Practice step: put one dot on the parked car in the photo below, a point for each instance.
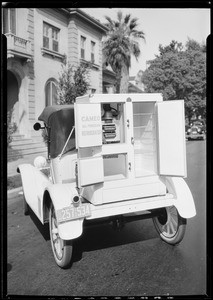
(110, 161)
(196, 130)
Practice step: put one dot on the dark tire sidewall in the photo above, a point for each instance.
(65, 261)
(177, 238)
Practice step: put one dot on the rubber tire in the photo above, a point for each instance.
(164, 218)
(66, 247)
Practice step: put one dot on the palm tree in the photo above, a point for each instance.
(121, 42)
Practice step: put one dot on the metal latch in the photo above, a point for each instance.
(130, 166)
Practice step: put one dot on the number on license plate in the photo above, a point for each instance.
(72, 213)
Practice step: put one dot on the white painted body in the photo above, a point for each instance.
(141, 171)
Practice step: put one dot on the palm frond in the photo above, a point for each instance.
(109, 19)
(127, 18)
(138, 34)
(122, 41)
(133, 23)
(119, 16)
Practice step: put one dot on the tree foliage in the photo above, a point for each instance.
(73, 82)
(121, 42)
(180, 74)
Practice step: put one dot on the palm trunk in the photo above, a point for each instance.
(124, 83)
(118, 82)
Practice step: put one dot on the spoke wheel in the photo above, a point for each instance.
(170, 225)
(62, 250)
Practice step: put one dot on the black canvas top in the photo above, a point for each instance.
(59, 119)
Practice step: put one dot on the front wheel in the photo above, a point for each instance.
(62, 250)
(170, 225)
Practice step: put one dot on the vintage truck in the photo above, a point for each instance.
(112, 158)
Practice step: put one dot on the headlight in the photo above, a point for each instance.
(40, 162)
(189, 130)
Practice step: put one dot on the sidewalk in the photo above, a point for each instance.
(27, 159)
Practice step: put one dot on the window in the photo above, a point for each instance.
(83, 43)
(9, 20)
(92, 52)
(50, 37)
(51, 95)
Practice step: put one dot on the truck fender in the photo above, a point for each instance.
(183, 201)
(34, 183)
(61, 196)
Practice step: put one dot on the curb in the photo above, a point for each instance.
(12, 174)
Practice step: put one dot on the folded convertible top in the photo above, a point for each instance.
(59, 120)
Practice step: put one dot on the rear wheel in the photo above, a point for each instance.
(170, 225)
(62, 250)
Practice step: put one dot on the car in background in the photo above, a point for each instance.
(196, 130)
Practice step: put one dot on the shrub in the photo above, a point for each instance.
(11, 127)
(73, 82)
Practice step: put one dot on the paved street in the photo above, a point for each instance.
(132, 262)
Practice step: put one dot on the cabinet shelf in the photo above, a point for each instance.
(150, 129)
(114, 148)
(142, 151)
(143, 114)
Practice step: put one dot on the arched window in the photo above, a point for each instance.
(51, 96)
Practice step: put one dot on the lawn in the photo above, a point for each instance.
(14, 182)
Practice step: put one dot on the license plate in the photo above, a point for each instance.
(72, 213)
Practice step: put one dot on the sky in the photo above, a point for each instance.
(160, 26)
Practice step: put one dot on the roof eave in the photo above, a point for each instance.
(78, 12)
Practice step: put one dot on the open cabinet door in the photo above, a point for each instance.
(171, 138)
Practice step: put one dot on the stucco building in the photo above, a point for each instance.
(39, 41)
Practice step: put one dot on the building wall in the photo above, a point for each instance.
(22, 22)
(31, 70)
(46, 66)
(32, 75)
(78, 28)
(73, 43)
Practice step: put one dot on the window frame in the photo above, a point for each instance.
(49, 102)
(82, 46)
(93, 51)
(51, 40)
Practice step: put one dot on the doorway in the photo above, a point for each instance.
(13, 97)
